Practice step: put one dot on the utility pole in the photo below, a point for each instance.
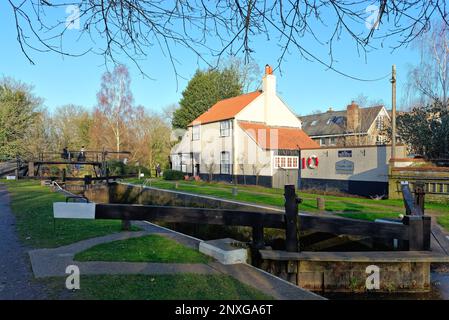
(299, 168)
(393, 113)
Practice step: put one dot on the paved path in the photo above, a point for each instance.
(53, 262)
(245, 273)
(16, 278)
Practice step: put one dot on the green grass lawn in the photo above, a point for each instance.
(32, 205)
(157, 287)
(346, 206)
(151, 248)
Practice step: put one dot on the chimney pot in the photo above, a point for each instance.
(268, 69)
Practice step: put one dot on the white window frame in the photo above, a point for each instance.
(322, 141)
(225, 131)
(278, 160)
(380, 140)
(225, 163)
(196, 135)
(380, 122)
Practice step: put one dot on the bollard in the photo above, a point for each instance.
(320, 203)
(234, 191)
(126, 225)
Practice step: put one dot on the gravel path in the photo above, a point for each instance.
(15, 270)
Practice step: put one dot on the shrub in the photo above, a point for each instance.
(116, 168)
(173, 175)
(54, 171)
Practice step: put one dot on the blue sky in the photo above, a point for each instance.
(305, 86)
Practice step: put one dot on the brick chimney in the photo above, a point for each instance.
(269, 89)
(353, 117)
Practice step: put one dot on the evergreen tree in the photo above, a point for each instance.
(203, 91)
(426, 130)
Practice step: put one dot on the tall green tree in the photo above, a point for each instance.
(203, 91)
(426, 130)
(18, 112)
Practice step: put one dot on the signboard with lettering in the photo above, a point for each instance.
(344, 167)
(345, 153)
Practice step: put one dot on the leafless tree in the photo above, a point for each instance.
(257, 169)
(131, 28)
(364, 101)
(429, 80)
(241, 164)
(115, 106)
(208, 161)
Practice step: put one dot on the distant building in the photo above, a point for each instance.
(354, 126)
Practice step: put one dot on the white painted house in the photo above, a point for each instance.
(254, 138)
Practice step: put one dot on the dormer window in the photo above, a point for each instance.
(225, 128)
(196, 132)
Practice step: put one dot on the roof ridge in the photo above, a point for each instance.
(226, 108)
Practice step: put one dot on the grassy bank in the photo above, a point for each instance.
(152, 248)
(342, 205)
(156, 287)
(270, 196)
(32, 205)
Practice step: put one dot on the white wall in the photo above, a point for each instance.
(278, 114)
(248, 153)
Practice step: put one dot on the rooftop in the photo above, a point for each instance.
(334, 122)
(226, 109)
(287, 138)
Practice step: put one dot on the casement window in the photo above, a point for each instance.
(196, 132)
(225, 128)
(225, 162)
(322, 141)
(380, 140)
(380, 122)
(286, 162)
(332, 141)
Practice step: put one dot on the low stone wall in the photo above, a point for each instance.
(325, 276)
(351, 277)
(128, 193)
(435, 179)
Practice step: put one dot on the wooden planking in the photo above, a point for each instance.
(291, 218)
(363, 256)
(189, 215)
(439, 240)
(352, 227)
(96, 163)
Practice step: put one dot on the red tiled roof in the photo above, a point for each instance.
(226, 109)
(287, 138)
